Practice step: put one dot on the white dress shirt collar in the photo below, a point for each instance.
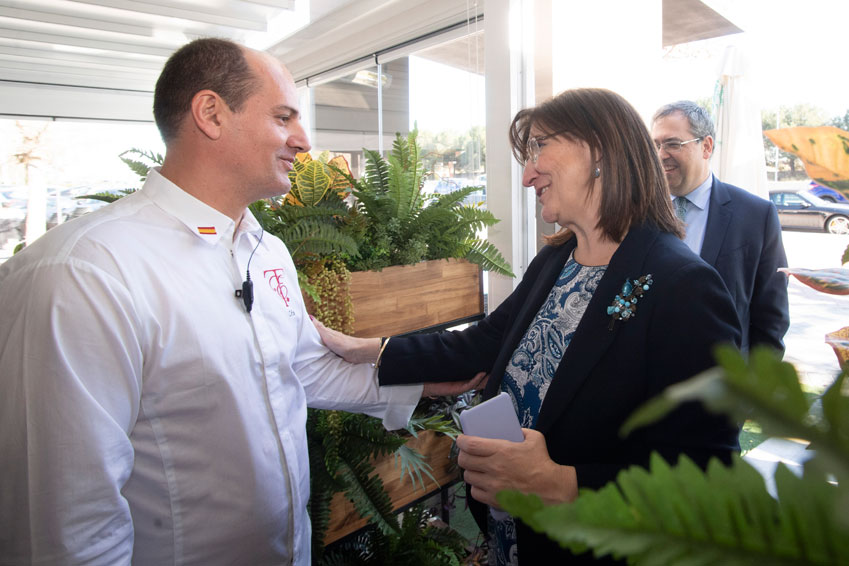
(207, 223)
(697, 214)
(700, 196)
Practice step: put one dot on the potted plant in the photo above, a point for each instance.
(391, 223)
(414, 247)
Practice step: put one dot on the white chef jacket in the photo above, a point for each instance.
(145, 416)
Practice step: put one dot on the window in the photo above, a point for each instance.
(438, 89)
(60, 161)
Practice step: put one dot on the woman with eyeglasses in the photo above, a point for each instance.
(612, 311)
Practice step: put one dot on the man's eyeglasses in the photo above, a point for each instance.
(533, 147)
(673, 146)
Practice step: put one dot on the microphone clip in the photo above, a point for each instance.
(246, 293)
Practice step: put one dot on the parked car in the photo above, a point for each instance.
(800, 209)
(448, 185)
(827, 193)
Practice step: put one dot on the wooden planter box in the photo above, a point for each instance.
(398, 300)
(405, 298)
(344, 518)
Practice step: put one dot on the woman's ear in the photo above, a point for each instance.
(208, 113)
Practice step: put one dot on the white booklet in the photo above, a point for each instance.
(494, 418)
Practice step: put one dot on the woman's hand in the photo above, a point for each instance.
(349, 348)
(365, 350)
(494, 465)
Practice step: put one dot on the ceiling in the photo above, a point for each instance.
(99, 59)
(692, 20)
(118, 44)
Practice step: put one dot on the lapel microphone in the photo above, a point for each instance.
(246, 293)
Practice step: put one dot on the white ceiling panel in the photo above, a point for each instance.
(113, 45)
(121, 44)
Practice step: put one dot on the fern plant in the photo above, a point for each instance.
(143, 162)
(140, 166)
(397, 224)
(418, 541)
(342, 447)
(683, 515)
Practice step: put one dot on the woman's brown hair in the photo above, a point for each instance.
(633, 185)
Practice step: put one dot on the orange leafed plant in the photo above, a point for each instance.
(312, 178)
(834, 281)
(823, 149)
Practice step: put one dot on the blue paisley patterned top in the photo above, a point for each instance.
(532, 367)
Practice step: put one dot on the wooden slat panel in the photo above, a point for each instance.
(405, 298)
(344, 518)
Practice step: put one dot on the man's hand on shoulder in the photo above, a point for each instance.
(455, 387)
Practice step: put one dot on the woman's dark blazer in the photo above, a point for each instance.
(607, 372)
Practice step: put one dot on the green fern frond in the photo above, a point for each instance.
(377, 207)
(406, 171)
(377, 172)
(414, 464)
(319, 512)
(489, 258)
(327, 210)
(454, 198)
(322, 484)
(767, 390)
(671, 515)
(423, 544)
(331, 440)
(434, 216)
(365, 436)
(476, 218)
(365, 490)
(311, 237)
(403, 190)
(437, 423)
(141, 168)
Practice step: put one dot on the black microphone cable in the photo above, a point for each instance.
(246, 293)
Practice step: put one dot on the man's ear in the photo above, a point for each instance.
(707, 147)
(209, 111)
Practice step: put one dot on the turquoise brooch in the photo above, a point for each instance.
(624, 305)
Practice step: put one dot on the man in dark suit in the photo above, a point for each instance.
(731, 229)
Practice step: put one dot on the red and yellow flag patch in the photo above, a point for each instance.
(207, 230)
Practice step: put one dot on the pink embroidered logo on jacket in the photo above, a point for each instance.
(275, 281)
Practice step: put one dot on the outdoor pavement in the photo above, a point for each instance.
(812, 316)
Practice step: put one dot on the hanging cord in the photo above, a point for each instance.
(246, 293)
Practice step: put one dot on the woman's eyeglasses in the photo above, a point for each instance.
(533, 147)
(673, 146)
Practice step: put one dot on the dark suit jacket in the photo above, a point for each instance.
(743, 243)
(605, 374)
